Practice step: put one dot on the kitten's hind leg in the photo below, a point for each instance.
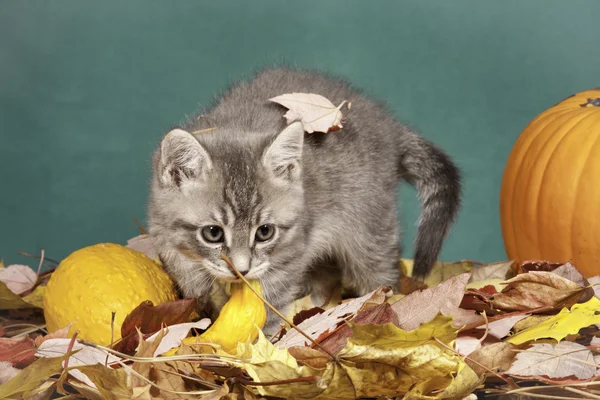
(365, 271)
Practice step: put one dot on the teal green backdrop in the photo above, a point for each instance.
(88, 87)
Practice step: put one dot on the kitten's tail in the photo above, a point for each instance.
(438, 184)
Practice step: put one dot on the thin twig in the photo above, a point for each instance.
(140, 227)
(203, 130)
(243, 278)
(70, 349)
(24, 254)
(37, 275)
(282, 382)
(583, 392)
(112, 334)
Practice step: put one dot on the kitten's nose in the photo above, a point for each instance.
(241, 262)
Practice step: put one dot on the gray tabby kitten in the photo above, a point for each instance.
(300, 212)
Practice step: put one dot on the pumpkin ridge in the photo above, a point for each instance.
(539, 199)
(580, 172)
(536, 147)
(523, 142)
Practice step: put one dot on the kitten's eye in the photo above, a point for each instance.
(213, 234)
(264, 233)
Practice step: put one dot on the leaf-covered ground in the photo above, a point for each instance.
(492, 331)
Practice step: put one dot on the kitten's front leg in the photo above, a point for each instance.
(281, 295)
(191, 279)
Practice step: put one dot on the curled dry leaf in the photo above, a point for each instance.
(379, 314)
(174, 334)
(85, 355)
(149, 319)
(565, 359)
(502, 326)
(423, 306)
(494, 357)
(465, 345)
(315, 112)
(18, 278)
(537, 289)
(327, 321)
(62, 333)
(491, 271)
(7, 371)
(595, 282)
(144, 244)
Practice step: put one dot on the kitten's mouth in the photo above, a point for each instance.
(229, 280)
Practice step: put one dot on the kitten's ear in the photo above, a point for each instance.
(182, 158)
(283, 156)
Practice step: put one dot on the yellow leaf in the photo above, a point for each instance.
(11, 301)
(31, 377)
(565, 323)
(36, 298)
(378, 360)
(463, 385)
(440, 272)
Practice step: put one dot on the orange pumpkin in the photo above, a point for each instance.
(550, 196)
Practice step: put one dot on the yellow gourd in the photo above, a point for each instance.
(95, 281)
(550, 195)
(239, 320)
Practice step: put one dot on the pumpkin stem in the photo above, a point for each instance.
(591, 102)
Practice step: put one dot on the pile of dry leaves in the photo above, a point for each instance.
(499, 330)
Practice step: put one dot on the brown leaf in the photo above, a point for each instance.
(145, 349)
(168, 380)
(18, 351)
(111, 383)
(535, 290)
(537, 265)
(407, 285)
(495, 357)
(306, 314)
(329, 320)
(60, 333)
(491, 271)
(380, 314)
(149, 319)
(218, 394)
(563, 360)
(307, 356)
(478, 300)
(423, 306)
